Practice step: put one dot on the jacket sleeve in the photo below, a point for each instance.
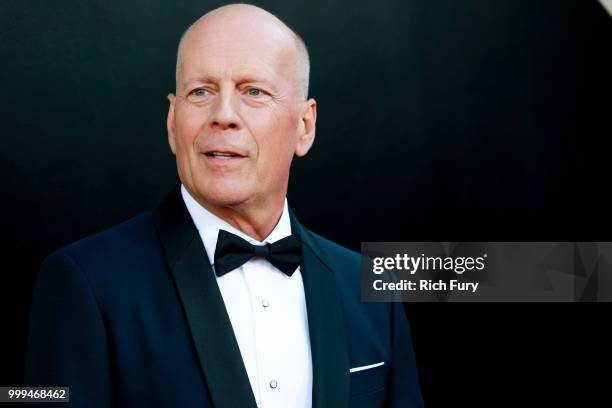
(405, 388)
(67, 339)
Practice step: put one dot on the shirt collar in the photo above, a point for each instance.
(208, 225)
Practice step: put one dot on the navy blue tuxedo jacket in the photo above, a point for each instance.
(133, 317)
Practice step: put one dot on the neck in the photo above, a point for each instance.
(256, 221)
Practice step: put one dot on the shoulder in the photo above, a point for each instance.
(118, 244)
(343, 262)
(338, 256)
(133, 232)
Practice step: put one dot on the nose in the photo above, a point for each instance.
(225, 115)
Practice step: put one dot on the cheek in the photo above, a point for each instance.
(276, 136)
(188, 125)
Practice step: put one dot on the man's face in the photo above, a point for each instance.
(237, 119)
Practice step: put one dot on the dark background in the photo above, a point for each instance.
(438, 120)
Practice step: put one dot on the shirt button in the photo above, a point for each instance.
(265, 303)
(273, 384)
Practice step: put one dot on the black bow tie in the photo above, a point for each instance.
(232, 252)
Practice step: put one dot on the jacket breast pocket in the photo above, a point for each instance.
(368, 387)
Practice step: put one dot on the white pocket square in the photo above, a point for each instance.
(355, 369)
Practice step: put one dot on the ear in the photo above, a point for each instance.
(307, 126)
(170, 123)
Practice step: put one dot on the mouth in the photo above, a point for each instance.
(224, 158)
(223, 155)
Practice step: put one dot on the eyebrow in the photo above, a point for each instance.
(203, 79)
(209, 79)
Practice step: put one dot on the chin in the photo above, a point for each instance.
(224, 194)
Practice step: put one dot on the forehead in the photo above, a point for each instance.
(237, 49)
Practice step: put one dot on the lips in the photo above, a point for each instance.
(223, 154)
(224, 159)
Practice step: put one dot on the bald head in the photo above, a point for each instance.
(254, 22)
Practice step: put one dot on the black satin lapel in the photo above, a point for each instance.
(328, 341)
(211, 329)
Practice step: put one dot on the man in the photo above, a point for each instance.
(220, 297)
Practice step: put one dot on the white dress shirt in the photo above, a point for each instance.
(267, 310)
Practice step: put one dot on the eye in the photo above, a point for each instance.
(198, 92)
(254, 92)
